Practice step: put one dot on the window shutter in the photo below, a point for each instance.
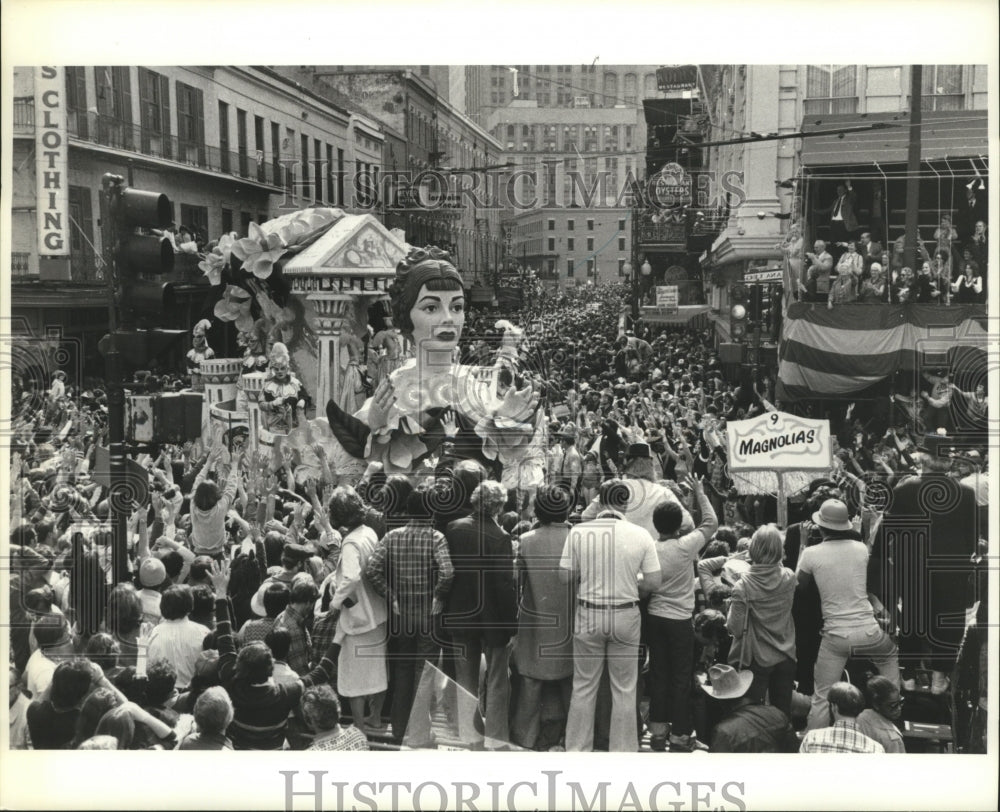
(123, 87)
(199, 112)
(102, 81)
(146, 99)
(165, 115)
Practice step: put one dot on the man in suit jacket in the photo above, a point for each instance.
(843, 221)
(481, 615)
(972, 210)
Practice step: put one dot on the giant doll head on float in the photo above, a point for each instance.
(431, 398)
(428, 304)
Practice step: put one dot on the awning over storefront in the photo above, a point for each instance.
(691, 315)
(944, 134)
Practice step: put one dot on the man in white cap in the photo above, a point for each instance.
(839, 566)
(153, 577)
(746, 726)
(645, 493)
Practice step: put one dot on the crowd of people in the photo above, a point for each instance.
(641, 590)
(855, 265)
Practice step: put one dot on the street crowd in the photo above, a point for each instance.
(642, 596)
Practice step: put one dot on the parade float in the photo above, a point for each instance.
(298, 290)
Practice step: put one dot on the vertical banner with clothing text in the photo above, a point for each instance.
(51, 157)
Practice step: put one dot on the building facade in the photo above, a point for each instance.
(568, 247)
(491, 87)
(227, 145)
(439, 154)
(791, 180)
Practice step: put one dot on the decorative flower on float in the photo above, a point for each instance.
(235, 306)
(259, 251)
(509, 430)
(216, 260)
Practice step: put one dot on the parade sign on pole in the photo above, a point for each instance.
(667, 298)
(782, 443)
(777, 441)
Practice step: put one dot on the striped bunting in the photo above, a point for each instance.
(838, 352)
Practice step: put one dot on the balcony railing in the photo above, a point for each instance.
(20, 263)
(108, 131)
(24, 115)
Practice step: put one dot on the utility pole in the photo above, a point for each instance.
(913, 169)
(110, 194)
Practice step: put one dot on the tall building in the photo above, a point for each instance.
(574, 136)
(228, 146)
(568, 86)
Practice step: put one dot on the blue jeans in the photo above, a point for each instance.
(776, 682)
(870, 642)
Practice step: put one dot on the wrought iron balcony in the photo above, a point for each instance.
(108, 131)
(24, 116)
(20, 263)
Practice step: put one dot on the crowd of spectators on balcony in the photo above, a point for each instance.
(850, 266)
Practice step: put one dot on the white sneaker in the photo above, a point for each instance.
(939, 682)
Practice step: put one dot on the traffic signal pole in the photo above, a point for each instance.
(119, 502)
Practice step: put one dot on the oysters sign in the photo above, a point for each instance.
(777, 441)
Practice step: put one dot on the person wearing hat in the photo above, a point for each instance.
(153, 580)
(838, 565)
(571, 465)
(746, 725)
(294, 558)
(645, 493)
(930, 519)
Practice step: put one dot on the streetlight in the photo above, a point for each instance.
(646, 270)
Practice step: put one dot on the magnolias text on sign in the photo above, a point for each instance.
(778, 441)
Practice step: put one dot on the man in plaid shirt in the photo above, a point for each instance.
(412, 568)
(846, 702)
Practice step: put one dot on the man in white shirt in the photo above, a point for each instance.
(176, 638)
(608, 555)
(839, 566)
(644, 492)
(54, 644)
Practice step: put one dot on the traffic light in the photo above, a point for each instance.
(141, 258)
(756, 305)
(738, 311)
